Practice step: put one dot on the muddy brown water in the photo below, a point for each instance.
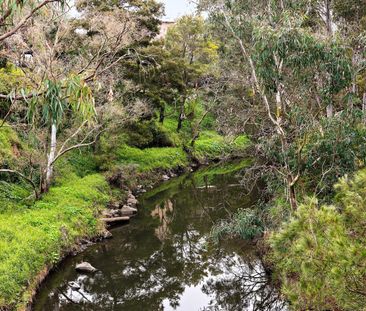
(165, 260)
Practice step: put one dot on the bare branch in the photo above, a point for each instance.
(25, 20)
(30, 181)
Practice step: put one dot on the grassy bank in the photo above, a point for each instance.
(35, 237)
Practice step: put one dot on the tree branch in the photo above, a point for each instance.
(30, 181)
(25, 19)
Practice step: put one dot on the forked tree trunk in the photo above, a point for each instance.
(51, 158)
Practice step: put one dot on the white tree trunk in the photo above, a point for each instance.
(51, 156)
(364, 107)
(329, 17)
(330, 111)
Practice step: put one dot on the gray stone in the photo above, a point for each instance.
(85, 267)
(165, 177)
(132, 201)
(115, 213)
(107, 235)
(74, 285)
(128, 210)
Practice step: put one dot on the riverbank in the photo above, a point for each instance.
(35, 236)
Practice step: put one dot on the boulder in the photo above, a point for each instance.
(128, 211)
(115, 213)
(85, 267)
(132, 201)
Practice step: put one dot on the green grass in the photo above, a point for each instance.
(13, 197)
(152, 158)
(35, 238)
(8, 139)
(211, 146)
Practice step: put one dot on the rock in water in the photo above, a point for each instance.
(85, 267)
(74, 285)
(128, 211)
(107, 234)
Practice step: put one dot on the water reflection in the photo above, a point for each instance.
(163, 260)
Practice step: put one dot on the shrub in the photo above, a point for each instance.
(246, 224)
(320, 253)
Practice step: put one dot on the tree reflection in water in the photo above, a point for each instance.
(163, 260)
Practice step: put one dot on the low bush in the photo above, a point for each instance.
(320, 255)
(246, 224)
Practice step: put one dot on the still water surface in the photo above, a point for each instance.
(164, 260)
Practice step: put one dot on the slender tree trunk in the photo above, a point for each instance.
(51, 158)
(329, 25)
(330, 111)
(181, 115)
(364, 107)
(293, 200)
(328, 17)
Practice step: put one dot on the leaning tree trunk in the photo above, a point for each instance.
(51, 158)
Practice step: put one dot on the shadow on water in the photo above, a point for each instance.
(163, 260)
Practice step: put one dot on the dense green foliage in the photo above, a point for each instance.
(9, 142)
(320, 252)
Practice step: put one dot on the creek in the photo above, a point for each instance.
(165, 260)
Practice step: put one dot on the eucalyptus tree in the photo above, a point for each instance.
(61, 98)
(289, 69)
